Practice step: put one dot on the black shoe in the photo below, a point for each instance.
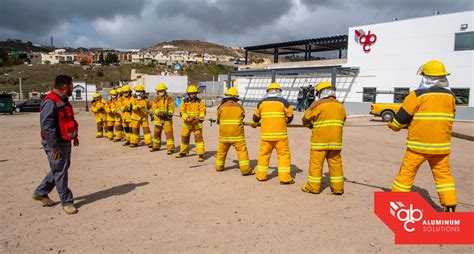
(450, 209)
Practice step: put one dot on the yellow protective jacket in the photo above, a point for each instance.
(140, 108)
(191, 111)
(98, 107)
(275, 113)
(429, 115)
(111, 109)
(230, 117)
(326, 117)
(163, 108)
(126, 104)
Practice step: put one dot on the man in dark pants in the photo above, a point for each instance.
(58, 129)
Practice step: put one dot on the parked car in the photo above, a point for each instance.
(385, 110)
(32, 105)
(6, 103)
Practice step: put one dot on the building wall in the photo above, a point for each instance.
(175, 84)
(403, 46)
(392, 62)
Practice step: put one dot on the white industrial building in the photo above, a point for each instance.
(382, 71)
(175, 84)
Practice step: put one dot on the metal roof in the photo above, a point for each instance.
(300, 46)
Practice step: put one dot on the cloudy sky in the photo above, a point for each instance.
(136, 24)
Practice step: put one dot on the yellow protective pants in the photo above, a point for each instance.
(316, 164)
(167, 127)
(118, 129)
(282, 148)
(242, 155)
(135, 135)
(440, 168)
(198, 139)
(126, 122)
(110, 128)
(100, 123)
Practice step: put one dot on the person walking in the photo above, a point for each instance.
(58, 129)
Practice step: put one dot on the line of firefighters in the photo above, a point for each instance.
(427, 112)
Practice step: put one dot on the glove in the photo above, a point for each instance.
(253, 124)
(391, 126)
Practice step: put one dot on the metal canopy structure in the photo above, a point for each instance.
(252, 84)
(334, 70)
(338, 42)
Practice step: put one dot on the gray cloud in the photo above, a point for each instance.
(39, 16)
(136, 24)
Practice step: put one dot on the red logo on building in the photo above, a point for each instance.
(365, 39)
(414, 221)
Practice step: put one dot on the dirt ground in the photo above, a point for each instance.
(131, 200)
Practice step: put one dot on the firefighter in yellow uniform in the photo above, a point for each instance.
(326, 117)
(193, 111)
(117, 105)
(140, 108)
(275, 113)
(230, 117)
(428, 112)
(98, 107)
(163, 110)
(110, 112)
(126, 103)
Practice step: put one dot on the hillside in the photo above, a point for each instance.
(12, 45)
(196, 46)
(40, 77)
(199, 47)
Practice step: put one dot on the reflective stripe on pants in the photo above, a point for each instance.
(284, 159)
(242, 155)
(316, 164)
(440, 168)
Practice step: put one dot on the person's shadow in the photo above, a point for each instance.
(424, 193)
(103, 194)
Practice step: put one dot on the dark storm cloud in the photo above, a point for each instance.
(39, 16)
(139, 23)
(226, 16)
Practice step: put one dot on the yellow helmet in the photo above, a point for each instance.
(125, 89)
(95, 95)
(139, 88)
(161, 87)
(119, 90)
(232, 92)
(433, 68)
(322, 85)
(273, 86)
(192, 89)
(113, 92)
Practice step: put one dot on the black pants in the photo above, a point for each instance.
(58, 175)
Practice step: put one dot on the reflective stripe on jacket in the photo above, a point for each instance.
(327, 117)
(429, 115)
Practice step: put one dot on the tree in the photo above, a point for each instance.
(101, 58)
(84, 61)
(111, 58)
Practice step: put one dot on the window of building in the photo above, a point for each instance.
(462, 96)
(464, 41)
(400, 93)
(369, 94)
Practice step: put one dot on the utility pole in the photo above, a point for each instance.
(21, 91)
(87, 106)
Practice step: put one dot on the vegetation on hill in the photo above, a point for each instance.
(41, 77)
